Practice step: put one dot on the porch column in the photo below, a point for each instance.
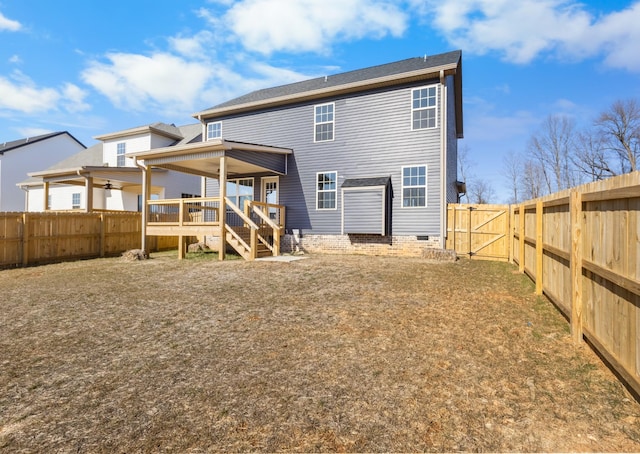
(45, 202)
(146, 185)
(88, 189)
(222, 179)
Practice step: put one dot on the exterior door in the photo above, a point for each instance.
(270, 195)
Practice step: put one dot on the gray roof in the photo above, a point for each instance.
(191, 133)
(366, 182)
(90, 157)
(7, 146)
(359, 75)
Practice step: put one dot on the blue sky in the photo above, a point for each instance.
(97, 67)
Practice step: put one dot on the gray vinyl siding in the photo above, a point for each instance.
(373, 137)
(364, 211)
(452, 144)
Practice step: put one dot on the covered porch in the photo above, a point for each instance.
(252, 228)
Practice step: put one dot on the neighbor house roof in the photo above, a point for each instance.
(403, 71)
(163, 129)
(8, 146)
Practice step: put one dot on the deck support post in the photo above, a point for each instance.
(88, 189)
(146, 186)
(45, 202)
(222, 218)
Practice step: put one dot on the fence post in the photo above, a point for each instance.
(576, 265)
(25, 239)
(521, 239)
(539, 247)
(469, 232)
(511, 231)
(102, 235)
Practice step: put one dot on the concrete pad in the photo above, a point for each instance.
(283, 258)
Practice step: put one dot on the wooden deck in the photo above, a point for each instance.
(254, 231)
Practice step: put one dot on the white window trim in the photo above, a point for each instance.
(237, 196)
(424, 108)
(426, 191)
(79, 194)
(333, 122)
(121, 155)
(326, 190)
(207, 130)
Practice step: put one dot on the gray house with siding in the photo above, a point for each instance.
(362, 161)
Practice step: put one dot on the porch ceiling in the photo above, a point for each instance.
(124, 178)
(203, 158)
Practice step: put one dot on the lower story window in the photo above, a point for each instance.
(75, 200)
(326, 189)
(414, 186)
(240, 190)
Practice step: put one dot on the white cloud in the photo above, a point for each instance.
(267, 26)
(19, 93)
(198, 46)
(523, 30)
(8, 24)
(15, 59)
(138, 82)
(73, 98)
(33, 132)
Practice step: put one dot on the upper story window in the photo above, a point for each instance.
(214, 130)
(326, 190)
(121, 150)
(423, 107)
(323, 122)
(75, 200)
(414, 186)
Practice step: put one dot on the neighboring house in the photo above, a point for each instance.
(103, 178)
(18, 157)
(360, 161)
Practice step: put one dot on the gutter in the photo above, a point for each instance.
(443, 160)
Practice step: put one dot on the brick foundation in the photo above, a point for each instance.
(401, 246)
(407, 246)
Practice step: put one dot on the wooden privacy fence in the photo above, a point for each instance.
(34, 238)
(479, 231)
(581, 247)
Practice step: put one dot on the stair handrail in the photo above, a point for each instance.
(275, 249)
(246, 219)
(252, 225)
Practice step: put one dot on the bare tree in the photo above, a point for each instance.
(464, 166)
(481, 192)
(513, 167)
(592, 158)
(532, 180)
(619, 128)
(551, 146)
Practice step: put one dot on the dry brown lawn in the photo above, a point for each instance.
(331, 353)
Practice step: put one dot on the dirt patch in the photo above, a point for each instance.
(331, 353)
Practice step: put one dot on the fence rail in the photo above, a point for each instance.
(35, 238)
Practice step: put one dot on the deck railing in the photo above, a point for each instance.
(184, 212)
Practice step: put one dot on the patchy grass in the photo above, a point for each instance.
(332, 353)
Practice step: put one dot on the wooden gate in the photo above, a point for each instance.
(479, 231)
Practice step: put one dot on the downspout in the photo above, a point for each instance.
(145, 206)
(443, 160)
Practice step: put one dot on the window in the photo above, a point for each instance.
(323, 122)
(75, 200)
(423, 107)
(414, 186)
(240, 190)
(326, 189)
(121, 150)
(214, 130)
